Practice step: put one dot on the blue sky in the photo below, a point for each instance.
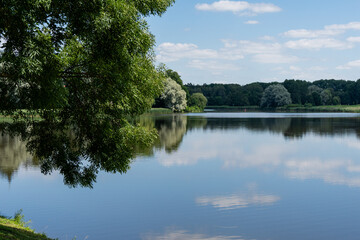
(224, 41)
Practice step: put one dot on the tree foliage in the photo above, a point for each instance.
(174, 96)
(83, 67)
(230, 94)
(326, 97)
(198, 100)
(302, 92)
(177, 78)
(298, 90)
(275, 96)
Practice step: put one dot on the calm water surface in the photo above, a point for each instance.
(209, 176)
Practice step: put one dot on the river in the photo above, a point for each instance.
(208, 176)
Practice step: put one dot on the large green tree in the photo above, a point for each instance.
(275, 95)
(198, 100)
(84, 67)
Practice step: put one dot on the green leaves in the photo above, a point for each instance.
(84, 67)
(198, 100)
(147, 7)
(275, 95)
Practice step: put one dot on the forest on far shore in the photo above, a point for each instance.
(320, 92)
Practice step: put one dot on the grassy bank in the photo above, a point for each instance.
(292, 108)
(159, 111)
(330, 108)
(234, 108)
(168, 111)
(16, 229)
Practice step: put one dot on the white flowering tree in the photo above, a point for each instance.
(173, 96)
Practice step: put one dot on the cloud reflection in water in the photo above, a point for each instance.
(182, 235)
(237, 201)
(326, 150)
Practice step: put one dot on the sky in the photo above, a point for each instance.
(229, 41)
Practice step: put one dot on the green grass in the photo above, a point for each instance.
(17, 229)
(294, 108)
(330, 108)
(159, 111)
(233, 107)
(193, 109)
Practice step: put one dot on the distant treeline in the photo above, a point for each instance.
(321, 92)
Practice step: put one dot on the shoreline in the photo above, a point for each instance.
(17, 229)
(290, 108)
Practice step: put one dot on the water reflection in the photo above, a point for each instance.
(287, 153)
(208, 196)
(79, 155)
(13, 155)
(334, 171)
(235, 201)
(288, 127)
(172, 128)
(212, 138)
(182, 234)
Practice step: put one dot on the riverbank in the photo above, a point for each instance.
(330, 108)
(15, 229)
(159, 111)
(234, 108)
(291, 108)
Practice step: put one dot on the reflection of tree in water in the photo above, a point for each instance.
(196, 123)
(299, 127)
(13, 154)
(171, 130)
(276, 125)
(289, 127)
(59, 148)
(79, 158)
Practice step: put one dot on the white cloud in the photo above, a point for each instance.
(267, 38)
(348, 26)
(353, 39)
(329, 30)
(249, 47)
(317, 68)
(233, 50)
(316, 44)
(260, 52)
(304, 33)
(350, 65)
(252, 22)
(237, 201)
(239, 7)
(169, 52)
(218, 60)
(274, 58)
(308, 73)
(212, 65)
(295, 68)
